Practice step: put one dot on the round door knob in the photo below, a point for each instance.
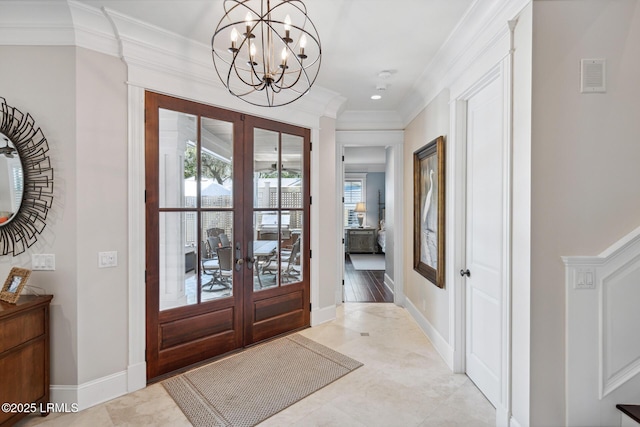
(465, 273)
(240, 261)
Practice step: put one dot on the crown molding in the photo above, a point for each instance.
(157, 59)
(167, 62)
(483, 25)
(92, 29)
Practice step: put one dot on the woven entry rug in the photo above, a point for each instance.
(249, 387)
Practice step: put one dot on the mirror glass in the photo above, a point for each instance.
(11, 180)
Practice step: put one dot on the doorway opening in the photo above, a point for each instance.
(364, 224)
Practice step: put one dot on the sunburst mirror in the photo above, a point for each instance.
(26, 180)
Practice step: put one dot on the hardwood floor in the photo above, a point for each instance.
(364, 285)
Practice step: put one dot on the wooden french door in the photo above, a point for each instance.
(227, 231)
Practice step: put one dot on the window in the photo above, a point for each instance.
(354, 192)
(18, 186)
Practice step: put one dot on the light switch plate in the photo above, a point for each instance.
(585, 278)
(107, 259)
(43, 262)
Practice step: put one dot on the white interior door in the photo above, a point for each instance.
(486, 245)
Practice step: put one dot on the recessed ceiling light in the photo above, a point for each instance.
(376, 97)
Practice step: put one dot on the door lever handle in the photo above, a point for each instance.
(465, 273)
(239, 259)
(249, 257)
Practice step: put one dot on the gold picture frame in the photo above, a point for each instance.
(12, 288)
(429, 211)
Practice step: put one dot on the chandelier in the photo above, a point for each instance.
(265, 52)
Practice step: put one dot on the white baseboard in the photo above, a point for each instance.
(439, 343)
(136, 376)
(63, 394)
(91, 393)
(514, 423)
(503, 418)
(389, 283)
(322, 315)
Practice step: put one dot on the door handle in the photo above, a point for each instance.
(249, 257)
(239, 259)
(465, 273)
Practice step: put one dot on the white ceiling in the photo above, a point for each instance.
(360, 38)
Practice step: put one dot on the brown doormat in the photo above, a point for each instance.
(249, 387)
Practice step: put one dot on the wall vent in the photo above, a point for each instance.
(592, 76)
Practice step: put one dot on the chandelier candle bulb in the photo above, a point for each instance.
(303, 44)
(287, 29)
(234, 40)
(248, 22)
(252, 54)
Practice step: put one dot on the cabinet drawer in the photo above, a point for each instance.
(22, 328)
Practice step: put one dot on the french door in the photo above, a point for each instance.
(227, 227)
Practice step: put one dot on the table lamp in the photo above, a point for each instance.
(360, 210)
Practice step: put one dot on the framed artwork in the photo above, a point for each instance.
(428, 211)
(13, 285)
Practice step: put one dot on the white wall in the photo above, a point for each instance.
(390, 200)
(326, 262)
(375, 194)
(431, 301)
(101, 189)
(83, 117)
(585, 174)
(41, 81)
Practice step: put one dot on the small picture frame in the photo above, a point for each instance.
(12, 288)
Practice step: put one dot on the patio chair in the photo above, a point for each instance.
(224, 241)
(287, 268)
(225, 268)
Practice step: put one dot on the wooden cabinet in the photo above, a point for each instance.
(24, 354)
(361, 240)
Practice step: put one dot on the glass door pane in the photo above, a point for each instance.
(266, 220)
(278, 208)
(216, 276)
(178, 286)
(265, 250)
(178, 134)
(177, 243)
(216, 204)
(291, 192)
(291, 245)
(266, 168)
(216, 164)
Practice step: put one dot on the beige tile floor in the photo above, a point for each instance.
(403, 382)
